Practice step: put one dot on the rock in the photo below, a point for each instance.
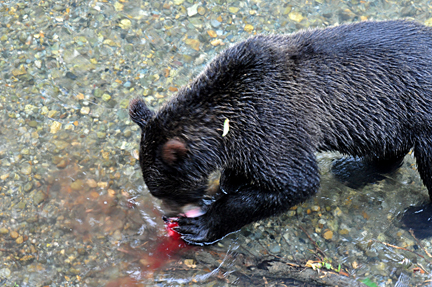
(233, 9)
(117, 235)
(248, 28)
(19, 240)
(328, 234)
(193, 10)
(38, 197)
(32, 124)
(106, 97)
(14, 234)
(55, 127)
(212, 33)
(315, 208)
(190, 263)
(21, 205)
(215, 23)
(291, 213)
(125, 24)
(5, 273)
(77, 184)
(201, 10)
(275, 248)
(26, 169)
(91, 183)
(85, 110)
(61, 145)
(296, 16)
(101, 135)
(62, 164)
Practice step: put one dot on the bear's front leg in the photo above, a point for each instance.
(233, 211)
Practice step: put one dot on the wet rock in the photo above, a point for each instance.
(328, 234)
(215, 23)
(117, 235)
(275, 248)
(77, 184)
(106, 97)
(19, 240)
(14, 234)
(38, 197)
(193, 10)
(26, 169)
(28, 186)
(21, 205)
(125, 24)
(85, 110)
(5, 273)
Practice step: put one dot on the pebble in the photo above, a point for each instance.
(38, 197)
(233, 10)
(101, 135)
(193, 10)
(127, 84)
(55, 127)
(77, 184)
(190, 263)
(125, 24)
(91, 183)
(62, 164)
(315, 208)
(201, 10)
(291, 213)
(106, 97)
(295, 16)
(275, 248)
(19, 240)
(85, 110)
(21, 205)
(337, 212)
(127, 133)
(61, 145)
(248, 28)
(117, 235)
(215, 23)
(14, 234)
(328, 234)
(26, 169)
(212, 33)
(32, 124)
(5, 273)
(4, 230)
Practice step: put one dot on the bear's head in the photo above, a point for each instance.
(174, 163)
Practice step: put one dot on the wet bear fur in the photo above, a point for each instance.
(362, 89)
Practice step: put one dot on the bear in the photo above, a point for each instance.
(261, 110)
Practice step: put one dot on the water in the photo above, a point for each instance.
(74, 210)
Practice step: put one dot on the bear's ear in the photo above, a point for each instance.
(173, 151)
(139, 112)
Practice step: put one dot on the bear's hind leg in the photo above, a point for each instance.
(419, 218)
(357, 172)
(423, 156)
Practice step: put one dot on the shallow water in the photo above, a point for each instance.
(74, 210)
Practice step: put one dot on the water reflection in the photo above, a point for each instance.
(74, 210)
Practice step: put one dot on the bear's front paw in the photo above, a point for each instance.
(196, 230)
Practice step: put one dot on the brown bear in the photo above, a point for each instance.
(261, 109)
